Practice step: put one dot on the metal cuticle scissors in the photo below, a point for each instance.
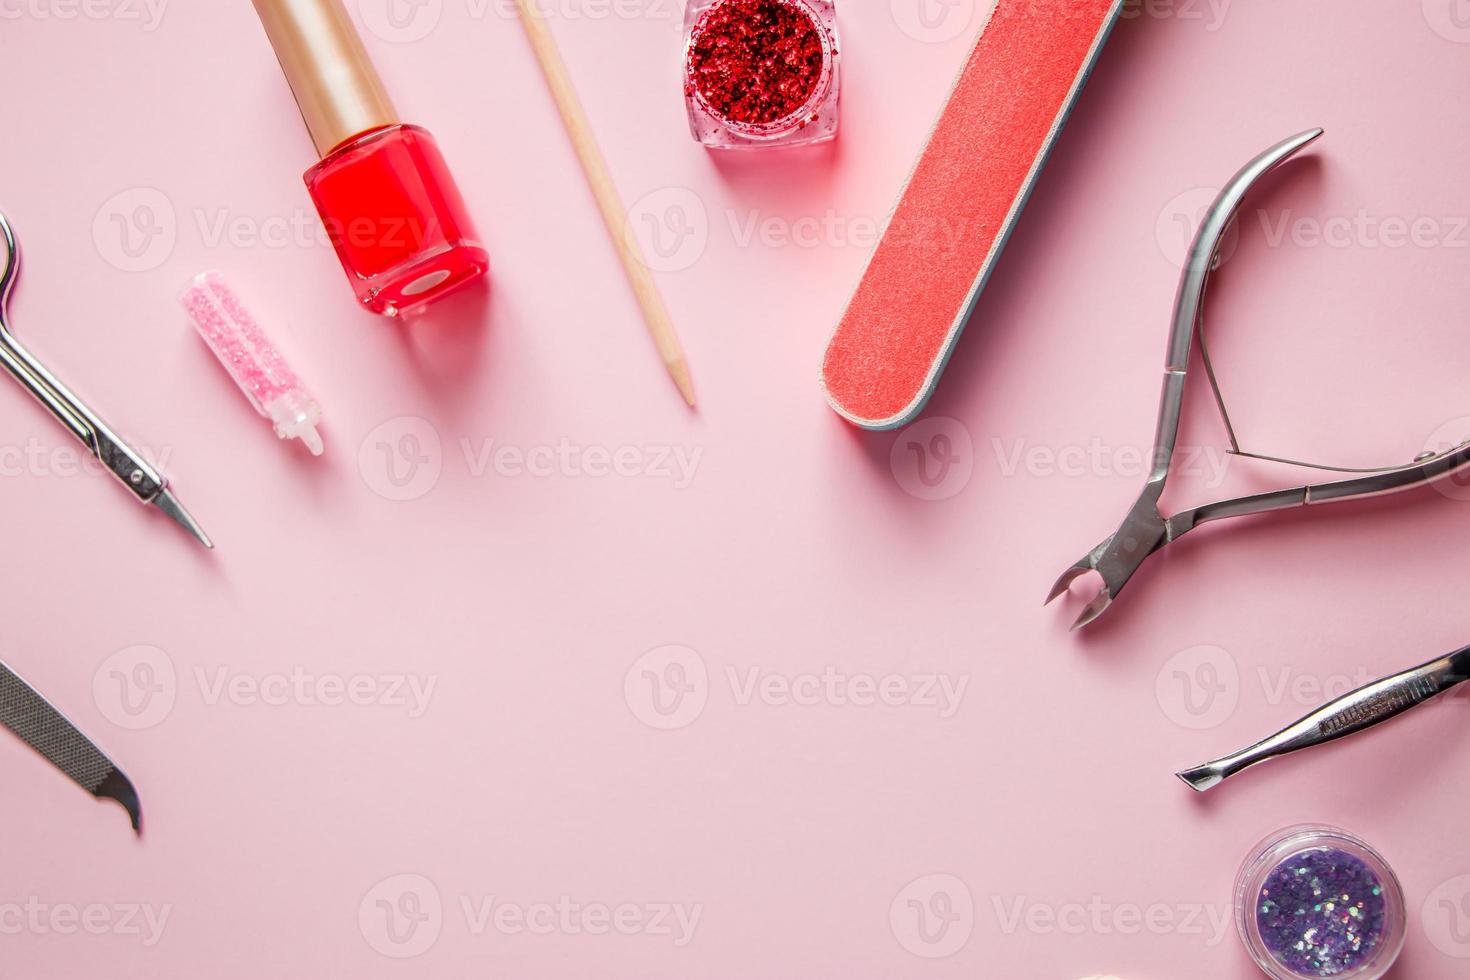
(120, 459)
(1145, 530)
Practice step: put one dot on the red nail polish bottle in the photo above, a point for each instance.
(382, 188)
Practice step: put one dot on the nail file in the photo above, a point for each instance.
(24, 711)
(962, 200)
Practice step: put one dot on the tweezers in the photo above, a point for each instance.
(120, 459)
(1145, 530)
(1357, 711)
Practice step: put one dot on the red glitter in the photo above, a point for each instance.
(755, 62)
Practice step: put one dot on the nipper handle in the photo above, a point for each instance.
(1204, 255)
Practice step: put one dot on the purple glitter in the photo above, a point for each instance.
(1321, 912)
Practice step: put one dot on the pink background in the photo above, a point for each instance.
(539, 606)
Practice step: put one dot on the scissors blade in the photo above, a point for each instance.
(169, 504)
(37, 722)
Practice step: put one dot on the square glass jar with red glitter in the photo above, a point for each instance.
(761, 73)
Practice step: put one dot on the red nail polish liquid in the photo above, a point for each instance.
(382, 188)
(396, 218)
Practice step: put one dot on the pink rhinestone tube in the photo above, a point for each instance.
(252, 360)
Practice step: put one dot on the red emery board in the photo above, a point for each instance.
(961, 202)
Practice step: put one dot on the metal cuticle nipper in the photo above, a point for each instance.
(1145, 530)
(120, 459)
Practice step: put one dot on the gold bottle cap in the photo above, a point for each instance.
(336, 87)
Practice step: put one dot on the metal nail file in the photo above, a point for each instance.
(121, 460)
(24, 711)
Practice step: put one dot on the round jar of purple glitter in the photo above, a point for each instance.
(1315, 901)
